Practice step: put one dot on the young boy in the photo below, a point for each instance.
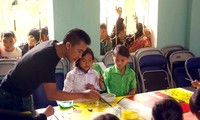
(8, 50)
(120, 79)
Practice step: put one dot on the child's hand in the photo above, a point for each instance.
(195, 83)
(101, 79)
(90, 86)
(91, 94)
(49, 111)
(132, 92)
(118, 10)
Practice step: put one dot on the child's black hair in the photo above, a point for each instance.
(167, 109)
(8, 33)
(35, 33)
(122, 50)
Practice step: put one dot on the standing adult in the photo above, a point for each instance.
(38, 67)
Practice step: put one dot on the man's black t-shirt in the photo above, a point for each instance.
(35, 67)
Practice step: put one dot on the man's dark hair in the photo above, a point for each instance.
(75, 36)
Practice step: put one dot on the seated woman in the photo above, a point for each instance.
(8, 49)
(33, 40)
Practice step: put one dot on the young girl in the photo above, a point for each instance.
(83, 77)
(120, 79)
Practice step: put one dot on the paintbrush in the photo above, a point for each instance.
(106, 102)
(188, 79)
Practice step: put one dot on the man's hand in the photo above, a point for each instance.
(49, 111)
(92, 94)
(196, 83)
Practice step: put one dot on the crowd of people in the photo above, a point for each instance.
(140, 39)
(82, 83)
(8, 49)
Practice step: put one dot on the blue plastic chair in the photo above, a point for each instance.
(154, 73)
(177, 60)
(192, 67)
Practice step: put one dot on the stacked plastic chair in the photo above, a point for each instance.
(5, 66)
(177, 60)
(165, 50)
(152, 69)
(192, 67)
(108, 60)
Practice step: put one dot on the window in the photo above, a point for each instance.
(22, 15)
(146, 10)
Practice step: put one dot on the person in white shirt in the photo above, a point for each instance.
(83, 77)
(8, 49)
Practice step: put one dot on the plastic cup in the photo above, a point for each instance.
(65, 104)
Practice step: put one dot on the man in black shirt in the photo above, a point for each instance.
(38, 67)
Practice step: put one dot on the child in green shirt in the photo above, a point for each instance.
(120, 79)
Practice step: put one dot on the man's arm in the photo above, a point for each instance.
(53, 94)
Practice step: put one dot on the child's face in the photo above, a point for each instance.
(8, 43)
(122, 34)
(86, 62)
(103, 33)
(120, 61)
(31, 41)
(45, 38)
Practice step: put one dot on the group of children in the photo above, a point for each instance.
(8, 39)
(119, 79)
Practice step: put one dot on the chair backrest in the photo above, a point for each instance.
(63, 66)
(146, 51)
(166, 49)
(108, 60)
(140, 53)
(192, 67)
(5, 66)
(153, 73)
(177, 60)
(179, 57)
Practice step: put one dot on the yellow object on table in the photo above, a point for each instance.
(130, 115)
